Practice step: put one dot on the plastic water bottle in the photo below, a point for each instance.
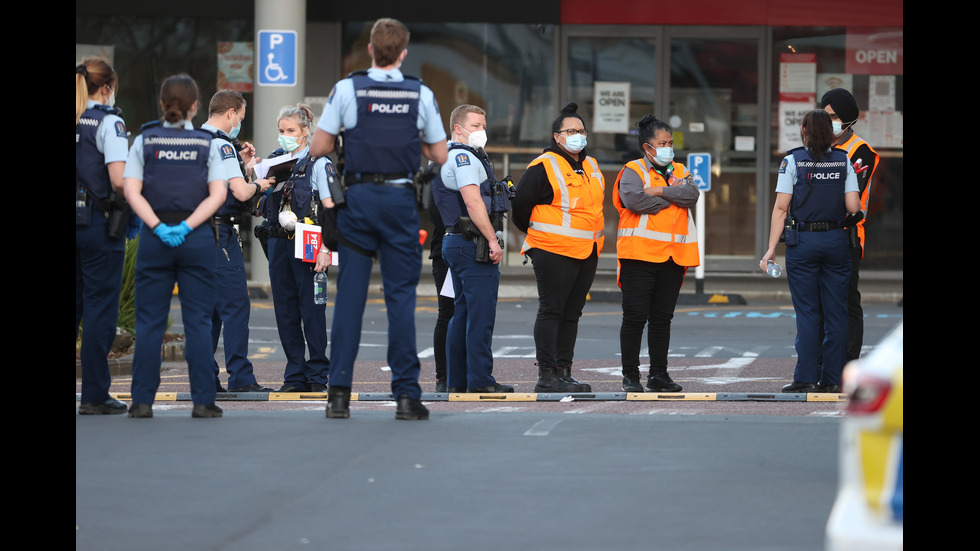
(773, 269)
(320, 288)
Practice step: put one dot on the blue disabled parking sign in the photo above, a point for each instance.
(700, 166)
(277, 58)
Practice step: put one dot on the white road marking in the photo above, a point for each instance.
(542, 428)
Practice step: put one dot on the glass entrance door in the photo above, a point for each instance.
(705, 82)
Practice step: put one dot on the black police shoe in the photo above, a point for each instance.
(828, 388)
(206, 411)
(496, 387)
(140, 411)
(254, 387)
(317, 387)
(661, 382)
(109, 407)
(291, 388)
(410, 410)
(338, 402)
(800, 388)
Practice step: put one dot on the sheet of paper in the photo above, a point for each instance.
(447, 287)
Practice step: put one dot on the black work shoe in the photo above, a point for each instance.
(140, 411)
(797, 387)
(317, 387)
(496, 387)
(410, 410)
(550, 382)
(631, 383)
(661, 382)
(565, 374)
(290, 388)
(338, 402)
(206, 411)
(254, 387)
(441, 385)
(456, 389)
(109, 407)
(828, 388)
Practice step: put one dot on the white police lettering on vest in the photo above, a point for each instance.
(177, 155)
(387, 108)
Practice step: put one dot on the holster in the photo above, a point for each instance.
(468, 230)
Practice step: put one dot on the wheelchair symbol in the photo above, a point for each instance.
(273, 68)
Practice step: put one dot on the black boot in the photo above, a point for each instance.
(661, 382)
(410, 410)
(565, 374)
(631, 381)
(549, 381)
(338, 402)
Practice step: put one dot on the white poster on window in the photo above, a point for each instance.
(792, 107)
(612, 107)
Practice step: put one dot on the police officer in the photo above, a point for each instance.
(175, 180)
(463, 192)
(298, 199)
(101, 148)
(559, 206)
(383, 113)
(656, 244)
(225, 115)
(816, 187)
(843, 110)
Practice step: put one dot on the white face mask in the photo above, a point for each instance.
(576, 143)
(110, 100)
(476, 139)
(663, 157)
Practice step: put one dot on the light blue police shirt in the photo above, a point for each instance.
(462, 169)
(110, 137)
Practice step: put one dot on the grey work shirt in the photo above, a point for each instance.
(633, 198)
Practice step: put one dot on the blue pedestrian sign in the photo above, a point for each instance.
(700, 166)
(277, 58)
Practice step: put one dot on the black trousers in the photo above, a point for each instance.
(650, 291)
(446, 309)
(563, 286)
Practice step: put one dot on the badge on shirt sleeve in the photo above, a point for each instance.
(462, 159)
(227, 152)
(120, 129)
(782, 167)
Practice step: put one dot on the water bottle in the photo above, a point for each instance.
(320, 288)
(773, 269)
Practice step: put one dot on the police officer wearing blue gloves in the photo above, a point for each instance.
(225, 115)
(296, 199)
(383, 113)
(463, 191)
(101, 148)
(816, 198)
(175, 180)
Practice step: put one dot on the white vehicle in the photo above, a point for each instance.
(868, 512)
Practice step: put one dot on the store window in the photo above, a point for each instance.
(869, 62)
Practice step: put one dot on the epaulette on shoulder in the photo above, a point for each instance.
(150, 124)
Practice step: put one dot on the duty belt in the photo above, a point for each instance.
(376, 178)
(226, 220)
(173, 216)
(821, 226)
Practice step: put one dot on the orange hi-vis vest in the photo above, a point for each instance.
(573, 222)
(851, 146)
(670, 233)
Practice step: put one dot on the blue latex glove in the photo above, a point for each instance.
(133, 228)
(164, 232)
(180, 231)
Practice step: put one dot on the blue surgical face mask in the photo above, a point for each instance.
(235, 130)
(838, 127)
(664, 156)
(576, 143)
(288, 143)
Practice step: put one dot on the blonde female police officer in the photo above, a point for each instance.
(101, 148)
(297, 315)
(175, 180)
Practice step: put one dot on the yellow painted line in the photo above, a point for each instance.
(825, 397)
(491, 397)
(671, 396)
(312, 396)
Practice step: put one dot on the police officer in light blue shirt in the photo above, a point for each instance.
(463, 191)
(815, 190)
(175, 180)
(301, 322)
(226, 112)
(101, 148)
(387, 119)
